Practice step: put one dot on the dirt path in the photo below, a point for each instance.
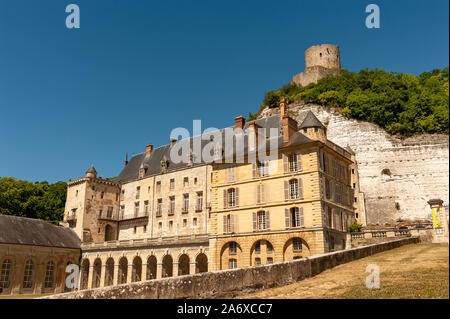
(413, 271)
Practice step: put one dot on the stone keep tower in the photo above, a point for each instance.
(320, 61)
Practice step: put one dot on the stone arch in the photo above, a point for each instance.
(96, 273)
(84, 274)
(109, 272)
(122, 271)
(230, 255)
(263, 250)
(201, 263)
(183, 265)
(295, 247)
(152, 264)
(110, 233)
(167, 266)
(136, 274)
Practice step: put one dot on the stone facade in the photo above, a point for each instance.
(161, 219)
(234, 282)
(44, 268)
(391, 170)
(261, 226)
(34, 255)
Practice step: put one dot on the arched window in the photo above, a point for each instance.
(5, 273)
(123, 270)
(84, 274)
(183, 265)
(151, 268)
(136, 274)
(201, 263)
(49, 275)
(28, 275)
(109, 275)
(97, 273)
(167, 266)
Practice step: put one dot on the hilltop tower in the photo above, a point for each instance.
(320, 61)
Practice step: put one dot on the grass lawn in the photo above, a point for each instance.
(412, 271)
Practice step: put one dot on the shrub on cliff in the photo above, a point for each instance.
(402, 104)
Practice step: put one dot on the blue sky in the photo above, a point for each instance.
(137, 69)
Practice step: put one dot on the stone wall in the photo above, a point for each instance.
(230, 283)
(391, 170)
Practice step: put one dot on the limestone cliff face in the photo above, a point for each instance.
(391, 170)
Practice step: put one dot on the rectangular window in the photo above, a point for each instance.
(258, 247)
(233, 248)
(194, 222)
(199, 201)
(185, 203)
(109, 212)
(231, 197)
(293, 167)
(263, 168)
(172, 205)
(184, 222)
(138, 192)
(159, 208)
(136, 208)
(261, 220)
(293, 189)
(269, 260)
(146, 208)
(172, 184)
(232, 263)
(170, 224)
(297, 245)
(186, 182)
(257, 261)
(158, 187)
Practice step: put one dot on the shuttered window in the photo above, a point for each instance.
(260, 193)
(261, 220)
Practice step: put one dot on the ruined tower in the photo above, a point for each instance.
(320, 61)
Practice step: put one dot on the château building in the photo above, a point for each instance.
(161, 218)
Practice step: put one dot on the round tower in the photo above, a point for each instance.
(325, 55)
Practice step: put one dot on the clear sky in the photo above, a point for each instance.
(137, 69)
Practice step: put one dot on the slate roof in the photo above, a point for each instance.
(153, 162)
(91, 170)
(28, 231)
(311, 121)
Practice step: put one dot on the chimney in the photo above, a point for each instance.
(253, 136)
(239, 122)
(282, 107)
(173, 141)
(148, 150)
(289, 128)
(126, 159)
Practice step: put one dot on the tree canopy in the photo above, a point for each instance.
(33, 200)
(402, 104)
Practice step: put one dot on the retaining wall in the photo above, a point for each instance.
(230, 283)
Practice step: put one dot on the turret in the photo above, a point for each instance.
(313, 128)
